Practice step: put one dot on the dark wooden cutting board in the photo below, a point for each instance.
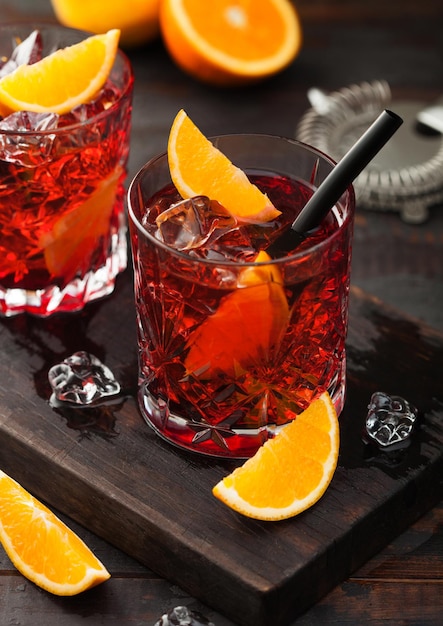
(106, 469)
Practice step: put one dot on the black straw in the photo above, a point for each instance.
(336, 183)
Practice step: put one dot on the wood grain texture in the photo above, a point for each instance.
(345, 41)
(392, 588)
(118, 479)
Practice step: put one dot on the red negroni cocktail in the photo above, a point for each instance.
(62, 222)
(234, 344)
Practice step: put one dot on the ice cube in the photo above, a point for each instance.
(103, 102)
(390, 419)
(191, 223)
(82, 379)
(27, 52)
(20, 146)
(182, 616)
(28, 121)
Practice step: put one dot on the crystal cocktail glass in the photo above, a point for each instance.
(231, 349)
(62, 220)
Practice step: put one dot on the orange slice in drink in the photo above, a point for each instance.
(62, 80)
(68, 247)
(245, 329)
(231, 43)
(198, 168)
(290, 472)
(42, 547)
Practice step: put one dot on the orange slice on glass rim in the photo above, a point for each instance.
(231, 43)
(289, 473)
(198, 168)
(63, 80)
(42, 547)
(246, 328)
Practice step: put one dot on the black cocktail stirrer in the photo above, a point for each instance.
(336, 183)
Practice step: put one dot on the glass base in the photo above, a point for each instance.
(76, 294)
(218, 440)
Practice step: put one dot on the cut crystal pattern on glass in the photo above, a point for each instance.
(82, 379)
(390, 419)
(182, 616)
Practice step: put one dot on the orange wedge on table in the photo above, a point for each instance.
(290, 472)
(231, 43)
(41, 547)
(198, 168)
(62, 80)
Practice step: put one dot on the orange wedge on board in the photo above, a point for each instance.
(198, 168)
(231, 43)
(290, 472)
(245, 329)
(62, 80)
(42, 547)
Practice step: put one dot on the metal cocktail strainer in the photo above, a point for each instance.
(407, 174)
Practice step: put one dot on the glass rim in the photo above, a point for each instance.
(33, 25)
(297, 255)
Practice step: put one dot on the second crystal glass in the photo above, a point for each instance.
(62, 221)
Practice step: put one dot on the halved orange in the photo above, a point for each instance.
(245, 330)
(231, 43)
(290, 472)
(62, 80)
(137, 20)
(42, 547)
(74, 237)
(199, 168)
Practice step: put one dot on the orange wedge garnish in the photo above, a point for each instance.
(42, 547)
(62, 80)
(231, 43)
(290, 472)
(246, 328)
(198, 168)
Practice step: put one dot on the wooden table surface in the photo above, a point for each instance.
(345, 42)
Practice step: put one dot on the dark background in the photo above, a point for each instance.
(345, 42)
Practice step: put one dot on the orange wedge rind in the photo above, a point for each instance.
(198, 168)
(63, 80)
(42, 547)
(290, 472)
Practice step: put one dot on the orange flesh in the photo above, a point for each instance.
(231, 26)
(241, 333)
(41, 546)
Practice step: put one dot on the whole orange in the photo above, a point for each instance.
(138, 20)
(229, 43)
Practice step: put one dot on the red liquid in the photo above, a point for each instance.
(252, 385)
(61, 208)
